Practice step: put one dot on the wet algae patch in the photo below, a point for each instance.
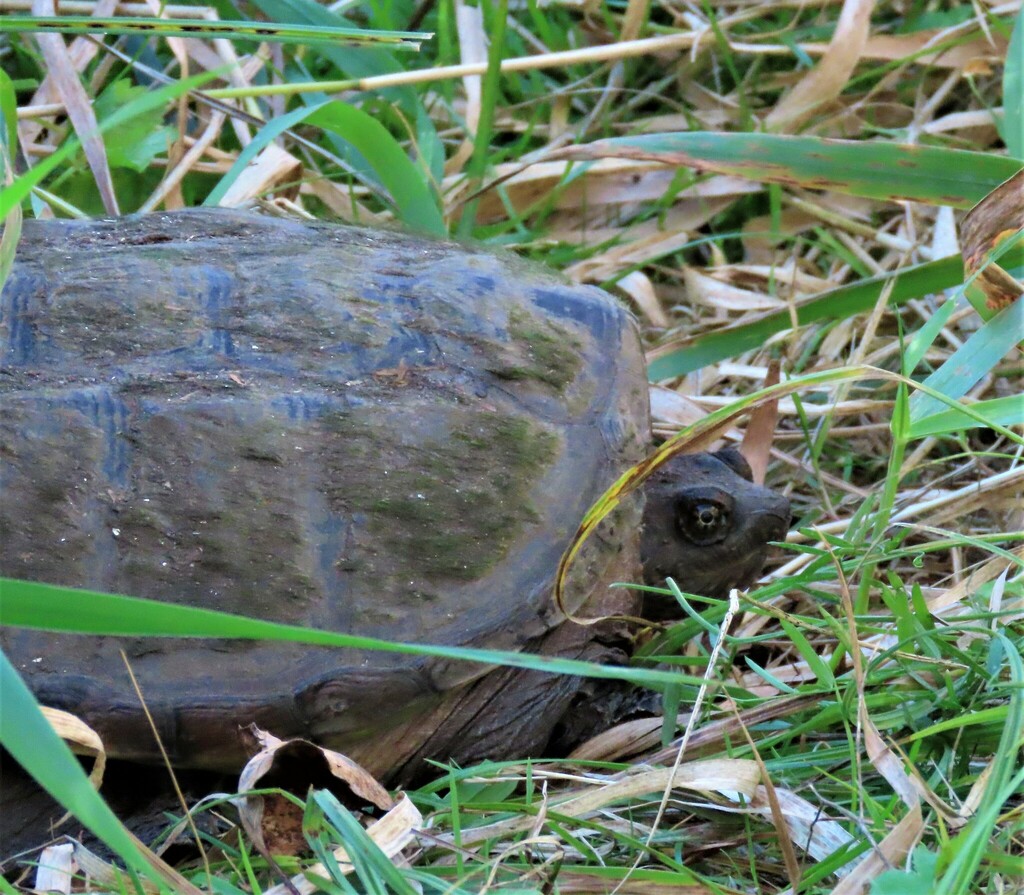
(441, 497)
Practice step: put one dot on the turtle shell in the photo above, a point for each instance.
(343, 428)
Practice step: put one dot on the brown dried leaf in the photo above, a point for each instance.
(111, 877)
(341, 202)
(634, 19)
(608, 181)
(274, 822)
(888, 853)
(76, 102)
(887, 762)
(807, 828)
(896, 47)
(637, 251)
(723, 775)
(627, 738)
(757, 441)
(828, 78)
(272, 167)
(996, 218)
(102, 873)
(81, 51)
(82, 739)
(173, 178)
(638, 286)
(674, 409)
(714, 293)
(588, 226)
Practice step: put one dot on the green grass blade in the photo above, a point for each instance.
(8, 117)
(372, 865)
(918, 344)
(10, 224)
(204, 28)
(971, 361)
(366, 63)
(1008, 411)
(970, 846)
(873, 169)
(934, 276)
(266, 135)
(416, 205)
(50, 608)
(34, 744)
(809, 654)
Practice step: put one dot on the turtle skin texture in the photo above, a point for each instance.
(350, 429)
(707, 509)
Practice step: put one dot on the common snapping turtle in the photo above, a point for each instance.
(342, 428)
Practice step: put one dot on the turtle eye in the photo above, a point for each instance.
(703, 520)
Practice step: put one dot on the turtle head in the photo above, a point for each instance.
(707, 526)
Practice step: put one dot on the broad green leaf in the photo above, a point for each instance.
(14, 194)
(135, 143)
(678, 359)
(921, 881)
(230, 30)
(872, 168)
(416, 205)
